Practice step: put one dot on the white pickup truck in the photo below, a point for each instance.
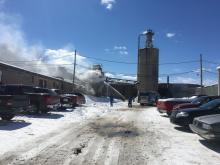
(148, 98)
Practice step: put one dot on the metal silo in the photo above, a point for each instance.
(148, 64)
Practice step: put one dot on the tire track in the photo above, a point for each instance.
(120, 137)
(44, 150)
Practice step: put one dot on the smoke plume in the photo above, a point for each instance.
(17, 51)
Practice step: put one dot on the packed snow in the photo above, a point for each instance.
(24, 128)
(103, 135)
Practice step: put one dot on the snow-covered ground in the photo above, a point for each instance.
(25, 128)
(99, 134)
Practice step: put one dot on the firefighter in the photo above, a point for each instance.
(130, 101)
(111, 99)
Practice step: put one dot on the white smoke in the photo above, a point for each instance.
(12, 43)
(15, 50)
(122, 76)
(93, 76)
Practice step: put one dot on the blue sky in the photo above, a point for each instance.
(108, 29)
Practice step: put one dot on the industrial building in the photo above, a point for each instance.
(10, 74)
(148, 65)
(177, 90)
(165, 90)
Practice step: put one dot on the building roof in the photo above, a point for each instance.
(22, 69)
(218, 68)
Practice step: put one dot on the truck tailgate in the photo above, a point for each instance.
(14, 100)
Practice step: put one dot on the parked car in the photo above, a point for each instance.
(196, 102)
(167, 105)
(10, 105)
(184, 117)
(207, 127)
(41, 99)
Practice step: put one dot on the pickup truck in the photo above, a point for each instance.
(167, 105)
(196, 102)
(10, 105)
(80, 98)
(44, 99)
(69, 99)
(41, 99)
(66, 99)
(148, 98)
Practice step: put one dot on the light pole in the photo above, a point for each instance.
(201, 74)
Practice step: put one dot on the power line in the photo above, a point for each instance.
(211, 62)
(125, 74)
(183, 62)
(210, 72)
(112, 61)
(135, 63)
(180, 73)
(133, 74)
(87, 67)
(161, 75)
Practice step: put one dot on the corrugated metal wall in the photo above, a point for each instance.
(209, 90)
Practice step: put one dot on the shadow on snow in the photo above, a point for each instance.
(13, 125)
(183, 129)
(212, 145)
(46, 116)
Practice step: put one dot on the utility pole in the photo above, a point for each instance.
(74, 70)
(168, 81)
(168, 86)
(218, 80)
(139, 37)
(201, 74)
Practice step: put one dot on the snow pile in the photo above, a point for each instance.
(179, 99)
(25, 128)
(92, 99)
(95, 106)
